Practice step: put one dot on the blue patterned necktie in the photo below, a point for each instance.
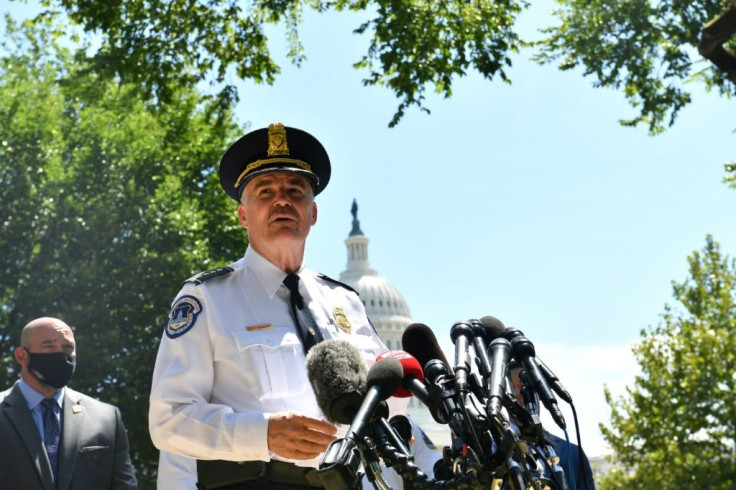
(306, 326)
(52, 433)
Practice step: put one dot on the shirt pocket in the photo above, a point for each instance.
(272, 360)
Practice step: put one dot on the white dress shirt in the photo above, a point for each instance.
(221, 371)
(34, 399)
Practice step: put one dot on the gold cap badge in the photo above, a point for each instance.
(271, 149)
(277, 144)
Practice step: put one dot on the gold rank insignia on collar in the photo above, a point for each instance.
(342, 320)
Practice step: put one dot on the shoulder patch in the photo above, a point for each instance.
(198, 279)
(334, 281)
(182, 316)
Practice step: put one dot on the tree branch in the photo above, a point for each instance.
(717, 32)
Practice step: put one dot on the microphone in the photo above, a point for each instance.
(530, 399)
(413, 384)
(524, 353)
(485, 330)
(413, 381)
(347, 394)
(500, 350)
(553, 380)
(383, 379)
(493, 328)
(419, 341)
(402, 426)
(479, 345)
(442, 387)
(337, 373)
(340, 463)
(461, 334)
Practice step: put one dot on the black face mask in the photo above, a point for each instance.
(52, 369)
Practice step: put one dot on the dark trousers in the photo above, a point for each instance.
(255, 475)
(265, 486)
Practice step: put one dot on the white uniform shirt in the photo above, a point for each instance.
(231, 356)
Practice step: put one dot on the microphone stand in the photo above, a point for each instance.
(536, 436)
(414, 476)
(372, 465)
(558, 474)
(340, 465)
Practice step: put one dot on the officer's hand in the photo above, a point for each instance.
(295, 436)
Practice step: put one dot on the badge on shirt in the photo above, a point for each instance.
(182, 316)
(342, 320)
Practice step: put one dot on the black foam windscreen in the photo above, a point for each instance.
(387, 374)
(337, 373)
(342, 409)
(494, 328)
(419, 341)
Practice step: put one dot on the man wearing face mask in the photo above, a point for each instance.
(52, 437)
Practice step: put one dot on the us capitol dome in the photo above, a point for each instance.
(388, 311)
(384, 304)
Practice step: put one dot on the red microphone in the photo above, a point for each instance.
(413, 382)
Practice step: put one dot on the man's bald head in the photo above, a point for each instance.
(43, 333)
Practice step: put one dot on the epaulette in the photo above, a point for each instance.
(334, 281)
(198, 279)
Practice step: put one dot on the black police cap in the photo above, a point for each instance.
(277, 148)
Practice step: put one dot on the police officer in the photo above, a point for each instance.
(229, 384)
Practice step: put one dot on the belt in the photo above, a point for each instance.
(231, 475)
(280, 472)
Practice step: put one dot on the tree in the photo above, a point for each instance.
(108, 203)
(160, 44)
(730, 177)
(676, 428)
(646, 49)
(715, 37)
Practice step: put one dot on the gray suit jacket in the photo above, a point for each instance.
(94, 446)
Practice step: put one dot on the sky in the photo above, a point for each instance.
(528, 201)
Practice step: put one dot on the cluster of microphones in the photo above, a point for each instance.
(496, 442)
